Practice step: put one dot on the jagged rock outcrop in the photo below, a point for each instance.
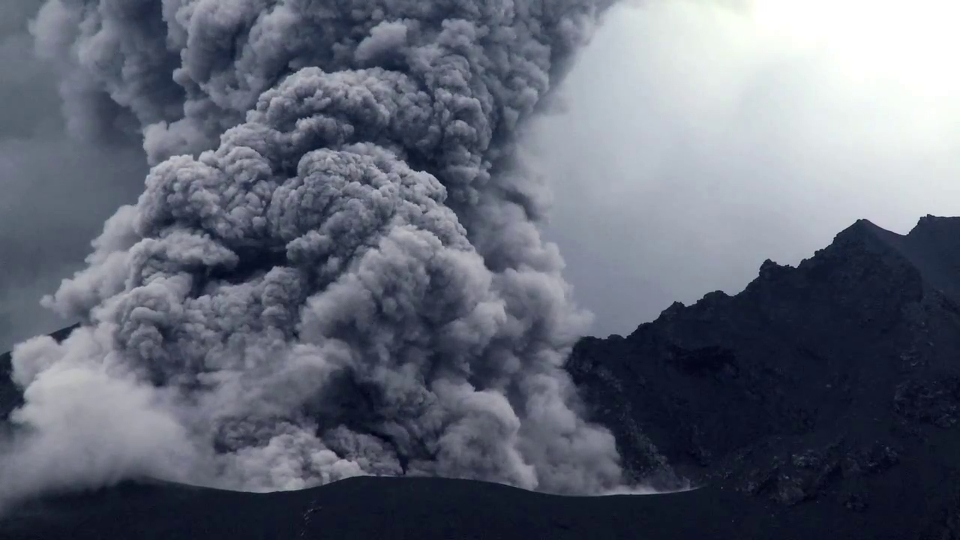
(837, 381)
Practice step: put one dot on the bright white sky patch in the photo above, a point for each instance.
(914, 43)
(701, 137)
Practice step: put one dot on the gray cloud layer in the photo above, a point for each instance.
(56, 191)
(350, 281)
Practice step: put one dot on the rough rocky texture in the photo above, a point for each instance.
(835, 383)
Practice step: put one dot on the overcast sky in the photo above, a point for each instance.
(700, 140)
(56, 192)
(700, 137)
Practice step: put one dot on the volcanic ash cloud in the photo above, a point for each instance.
(334, 268)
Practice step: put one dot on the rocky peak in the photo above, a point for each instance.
(825, 381)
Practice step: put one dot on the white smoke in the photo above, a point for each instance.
(334, 268)
(88, 426)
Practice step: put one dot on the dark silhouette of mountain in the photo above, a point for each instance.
(834, 385)
(823, 400)
(362, 508)
(414, 509)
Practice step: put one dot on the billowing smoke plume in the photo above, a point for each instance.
(334, 268)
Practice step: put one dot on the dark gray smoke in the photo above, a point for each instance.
(350, 281)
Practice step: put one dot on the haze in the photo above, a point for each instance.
(57, 191)
(700, 138)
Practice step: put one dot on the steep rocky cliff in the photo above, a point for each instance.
(835, 383)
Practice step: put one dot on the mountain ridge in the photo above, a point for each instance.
(834, 382)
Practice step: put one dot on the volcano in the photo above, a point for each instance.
(824, 399)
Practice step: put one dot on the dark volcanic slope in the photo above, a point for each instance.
(835, 384)
(412, 509)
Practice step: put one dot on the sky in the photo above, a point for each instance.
(696, 139)
(57, 191)
(699, 138)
